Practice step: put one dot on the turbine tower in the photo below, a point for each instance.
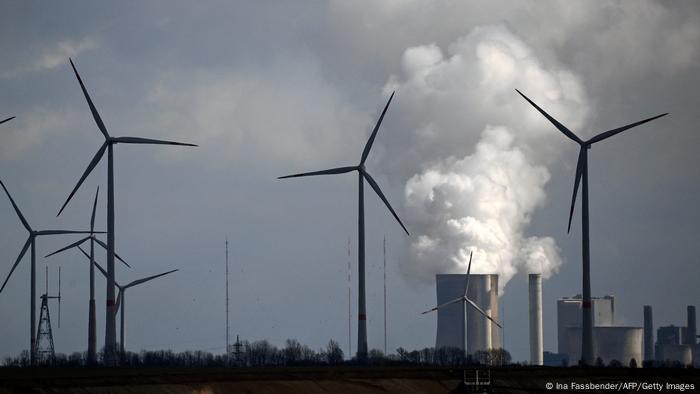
(121, 298)
(6, 120)
(111, 324)
(31, 241)
(92, 319)
(362, 176)
(582, 174)
(465, 301)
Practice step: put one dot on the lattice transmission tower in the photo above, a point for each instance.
(45, 352)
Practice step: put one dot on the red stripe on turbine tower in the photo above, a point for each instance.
(362, 317)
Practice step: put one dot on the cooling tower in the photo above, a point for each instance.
(691, 329)
(481, 334)
(648, 334)
(609, 343)
(672, 353)
(536, 336)
(450, 319)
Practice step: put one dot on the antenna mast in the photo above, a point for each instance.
(349, 303)
(227, 321)
(385, 295)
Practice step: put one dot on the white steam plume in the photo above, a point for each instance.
(484, 153)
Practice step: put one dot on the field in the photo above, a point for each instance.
(329, 380)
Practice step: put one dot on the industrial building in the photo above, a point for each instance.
(610, 342)
(678, 343)
(481, 333)
(569, 316)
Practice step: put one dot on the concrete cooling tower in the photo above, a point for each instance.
(481, 333)
(609, 343)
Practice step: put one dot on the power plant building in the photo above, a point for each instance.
(677, 343)
(481, 333)
(569, 316)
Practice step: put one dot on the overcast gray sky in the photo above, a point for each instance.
(276, 87)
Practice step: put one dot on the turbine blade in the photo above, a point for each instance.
(61, 232)
(381, 195)
(139, 281)
(577, 181)
(460, 299)
(90, 167)
(118, 303)
(618, 130)
(482, 312)
(74, 244)
(6, 120)
(94, 208)
(99, 267)
(338, 170)
(95, 114)
(14, 205)
(368, 145)
(139, 140)
(469, 268)
(19, 258)
(105, 247)
(556, 123)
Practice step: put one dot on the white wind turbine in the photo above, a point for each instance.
(92, 319)
(465, 301)
(107, 145)
(31, 241)
(121, 298)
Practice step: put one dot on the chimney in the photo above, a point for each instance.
(691, 330)
(536, 336)
(648, 334)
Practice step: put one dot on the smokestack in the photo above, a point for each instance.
(691, 330)
(648, 334)
(536, 336)
(496, 341)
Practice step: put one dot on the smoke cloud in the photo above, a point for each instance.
(481, 202)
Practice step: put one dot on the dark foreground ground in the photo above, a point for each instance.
(339, 380)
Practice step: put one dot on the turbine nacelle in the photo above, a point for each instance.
(109, 140)
(581, 164)
(32, 234)
(360, 168)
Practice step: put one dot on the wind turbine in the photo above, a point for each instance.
(465, 301)
(110, 326)
(7, 120)
(121, 299)
(362, 175)
(582, 173)
(92, 323)
(31, 241)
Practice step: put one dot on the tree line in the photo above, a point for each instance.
(263, 353)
